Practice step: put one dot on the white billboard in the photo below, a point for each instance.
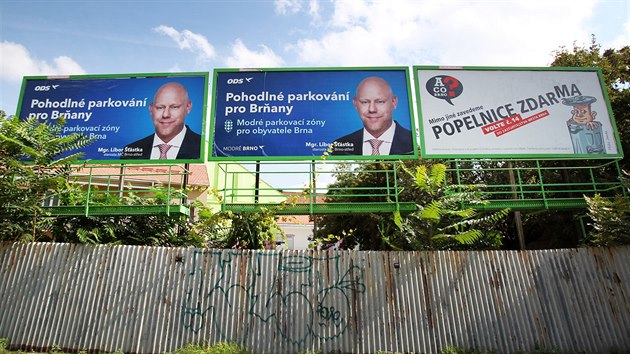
(490, 112)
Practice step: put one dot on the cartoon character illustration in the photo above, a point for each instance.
(586, 133)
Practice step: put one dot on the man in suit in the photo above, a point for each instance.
(375, 103)
(172, 138)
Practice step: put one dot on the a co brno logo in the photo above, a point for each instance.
(444, 87)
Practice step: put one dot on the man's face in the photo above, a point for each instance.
(582, 114)
(375, 104)
(168, 111)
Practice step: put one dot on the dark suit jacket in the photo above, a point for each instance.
(141, 149)
(352, 144)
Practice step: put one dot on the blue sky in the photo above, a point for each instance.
(53, 37)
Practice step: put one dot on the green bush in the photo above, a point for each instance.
(4, 343)
(219, 348)
(455, 350)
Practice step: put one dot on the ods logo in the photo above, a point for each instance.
(45, 87)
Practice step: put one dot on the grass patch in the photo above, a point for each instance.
(4, 343)
(219, 348)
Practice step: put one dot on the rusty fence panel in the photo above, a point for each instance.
(155, 299)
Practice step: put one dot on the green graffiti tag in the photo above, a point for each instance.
(303, 297)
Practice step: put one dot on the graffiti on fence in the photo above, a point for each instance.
(302, 296)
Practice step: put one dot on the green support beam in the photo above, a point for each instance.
(111, 210)
(323, 208)
(533, 185)
(108, 190)
(523, 185)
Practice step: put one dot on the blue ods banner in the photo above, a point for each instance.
(132, 118)
(310, 113)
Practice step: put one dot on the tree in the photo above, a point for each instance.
(615, 67)
(448, 218)
(31, 167)
(36, 162)
(443, 218)
(562, 226)
(252, 230)
(610, 220)
(227, 229)
(363, 184)
(173, 230)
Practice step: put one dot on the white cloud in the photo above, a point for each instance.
(450, 32)
(621, 40)
(18, 62)
(243, 57)
(285, 7)
(175, 68)
(187, 40)
(313, 8)
(293, 7)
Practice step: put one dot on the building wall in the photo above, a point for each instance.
(298, 236)
(236, 184)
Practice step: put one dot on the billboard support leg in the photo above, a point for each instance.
(313, 196)
(121, 181)
(257, 183)
(518, 221)
(185, 183)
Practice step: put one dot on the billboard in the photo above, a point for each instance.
(533, 112)
(134, 118)
(305, 114)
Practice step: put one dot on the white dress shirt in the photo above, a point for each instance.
(176, 144)
(387, 138)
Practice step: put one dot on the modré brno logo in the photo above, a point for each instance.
(228, 125)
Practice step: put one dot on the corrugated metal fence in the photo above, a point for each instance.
(151, 299)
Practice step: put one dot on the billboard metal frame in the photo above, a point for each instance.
(543, 193)
(324, 155)
(423, 126)
(202, 109)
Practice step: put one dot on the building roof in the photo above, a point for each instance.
(198, 175)
(299, 198)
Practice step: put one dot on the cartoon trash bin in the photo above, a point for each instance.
(586, 134)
